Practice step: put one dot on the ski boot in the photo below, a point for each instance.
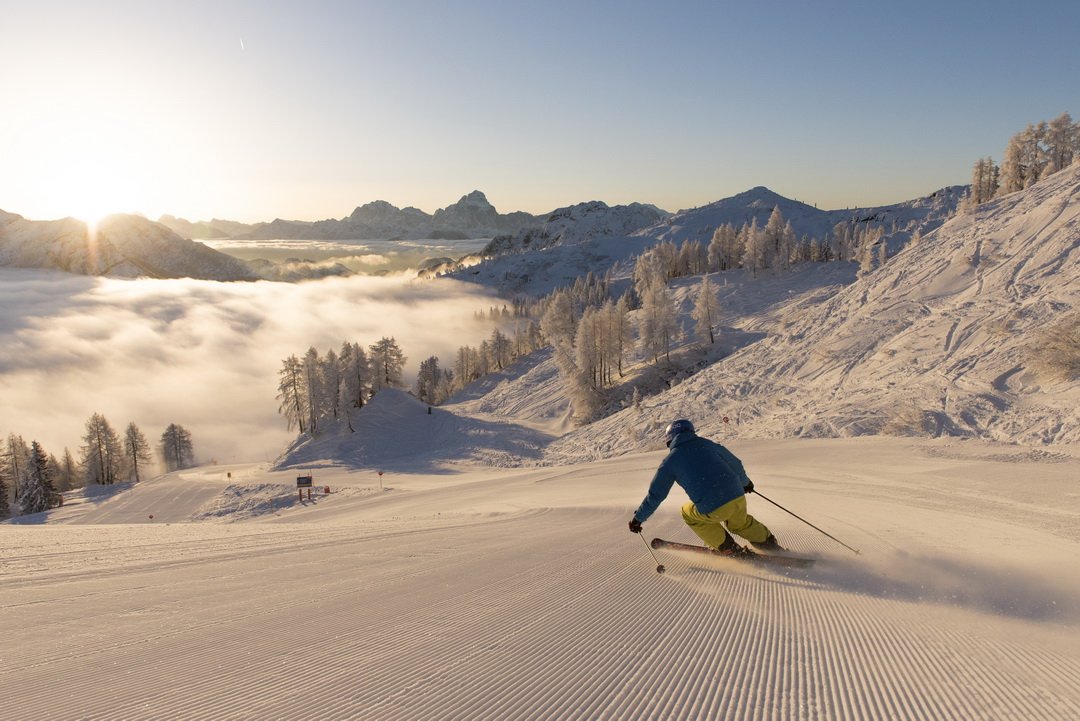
(769, 544)
(730, 548)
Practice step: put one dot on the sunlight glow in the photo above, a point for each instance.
(87, 163)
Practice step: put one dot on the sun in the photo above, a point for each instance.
(88, 167)
(93, 184)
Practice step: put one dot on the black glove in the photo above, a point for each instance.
(635, 525)
(749, 487)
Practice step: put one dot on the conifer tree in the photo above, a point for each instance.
(68, 477)
(706, 312)
(136, 451)
(292, 394)
(356, 374)
(5, 490)
(316, 401)
(387, 363)
(427, 381)
(658, 326)
(102, 453)
(14, 466)
(39, 493)
(176, 448)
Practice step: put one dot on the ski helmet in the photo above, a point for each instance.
(675, 428)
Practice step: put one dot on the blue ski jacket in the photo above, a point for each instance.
(710, 474)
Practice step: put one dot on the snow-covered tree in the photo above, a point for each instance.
(658, 326)
(387, 363)
(842, 242)
(1062, 139)
(5, 499)
(136, 451)
(756, 245)
(428, 381)
(331, 380)
(39, 494)
(1013, 171)
(176, 448)
(316, 401)
(292, 393)
(14, 467)
(624, 330)
(985, 181)
(356, 374)
(102, 457)
(775, 250)
(68, 476)
(501, 350)
(559, 323)
(706, 312)
(655, 265)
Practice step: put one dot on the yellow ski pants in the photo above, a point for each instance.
(710, 526)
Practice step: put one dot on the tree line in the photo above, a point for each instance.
(1036, 152)
(324, 386)
(33, 480)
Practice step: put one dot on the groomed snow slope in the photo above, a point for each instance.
(519, 594)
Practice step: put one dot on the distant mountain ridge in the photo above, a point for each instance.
(472, 216)
(127, 246)
(591, 234)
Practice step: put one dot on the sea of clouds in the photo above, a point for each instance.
(202, 354)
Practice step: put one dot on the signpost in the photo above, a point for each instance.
(303, 482)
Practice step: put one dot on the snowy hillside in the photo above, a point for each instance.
(757, 204)
(939, 341)
(569, 243)
(122, 246)
(395, 430)
(744, 208)
(595, 237)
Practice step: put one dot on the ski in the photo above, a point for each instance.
(785, 560)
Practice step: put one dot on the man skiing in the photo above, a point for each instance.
(716, 483)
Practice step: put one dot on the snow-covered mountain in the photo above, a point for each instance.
(121, 246)
(593, 236)
(470, 217)
(941, 340)
(757, 204)
(569, 243)
(204, 229)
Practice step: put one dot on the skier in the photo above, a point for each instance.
(716, 483)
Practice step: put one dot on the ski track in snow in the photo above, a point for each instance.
(410, 605)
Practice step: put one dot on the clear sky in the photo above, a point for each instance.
(305, 110)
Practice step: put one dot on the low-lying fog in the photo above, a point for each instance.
(359, 256)
(202, 354)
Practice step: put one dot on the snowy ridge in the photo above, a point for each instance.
(758, 203)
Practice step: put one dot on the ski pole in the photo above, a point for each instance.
(659, 566)
(807, 523)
